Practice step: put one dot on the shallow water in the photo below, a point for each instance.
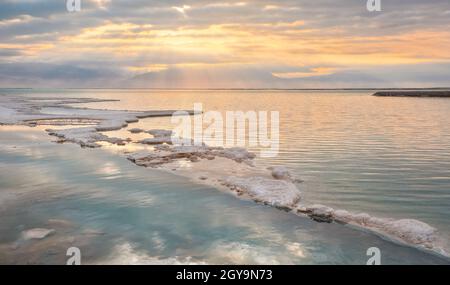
(385, 156)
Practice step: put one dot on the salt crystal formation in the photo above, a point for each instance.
(274, 186)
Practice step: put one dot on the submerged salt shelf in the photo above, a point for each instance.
(229, 169)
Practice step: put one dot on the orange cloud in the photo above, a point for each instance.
(289, 43)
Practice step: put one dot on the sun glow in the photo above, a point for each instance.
(283, 41)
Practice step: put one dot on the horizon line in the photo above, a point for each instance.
(218, 89)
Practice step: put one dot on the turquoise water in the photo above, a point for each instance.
(385, 156)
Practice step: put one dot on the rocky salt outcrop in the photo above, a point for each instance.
(237, 154)
(159, 137)
(90, 136)
(136, 131)
(281, 173)
(318, 213)
(154, 159)
(85, 137)
(157, 133)
(156, 140)
(28, 111)
(406, 231)
(281, 193)
(37, 233)
(165, 153)
(276, 193)
(411, 231)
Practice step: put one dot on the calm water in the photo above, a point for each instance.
(385, 156)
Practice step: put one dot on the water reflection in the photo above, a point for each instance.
(388, 157)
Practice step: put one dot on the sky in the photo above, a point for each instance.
(225, 44)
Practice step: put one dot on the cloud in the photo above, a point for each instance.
(291, 42)
(182, 9)
(102, 4)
